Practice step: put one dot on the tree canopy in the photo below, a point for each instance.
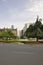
(7, 34)
(35, 30)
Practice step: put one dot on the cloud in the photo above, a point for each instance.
(35, 8)
(29, 11)
(4, 0)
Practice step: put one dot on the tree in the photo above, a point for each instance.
(29, 31)
(34, 30)
(7, 34)
(37, 30)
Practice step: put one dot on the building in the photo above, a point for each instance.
(14, 31)
(12, 26)
(25, 27)
(21, 34)
(24, 30)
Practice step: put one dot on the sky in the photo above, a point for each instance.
(19, 12)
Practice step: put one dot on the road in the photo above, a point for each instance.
(11, 54)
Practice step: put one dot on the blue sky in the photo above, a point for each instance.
(19, 12)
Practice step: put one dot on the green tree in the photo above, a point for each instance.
(7, 34)
(34, 30)
(37, 30)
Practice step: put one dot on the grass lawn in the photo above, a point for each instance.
(21, 41)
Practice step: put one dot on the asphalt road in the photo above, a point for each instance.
(11, 54)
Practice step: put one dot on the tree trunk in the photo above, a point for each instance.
(37, 39)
